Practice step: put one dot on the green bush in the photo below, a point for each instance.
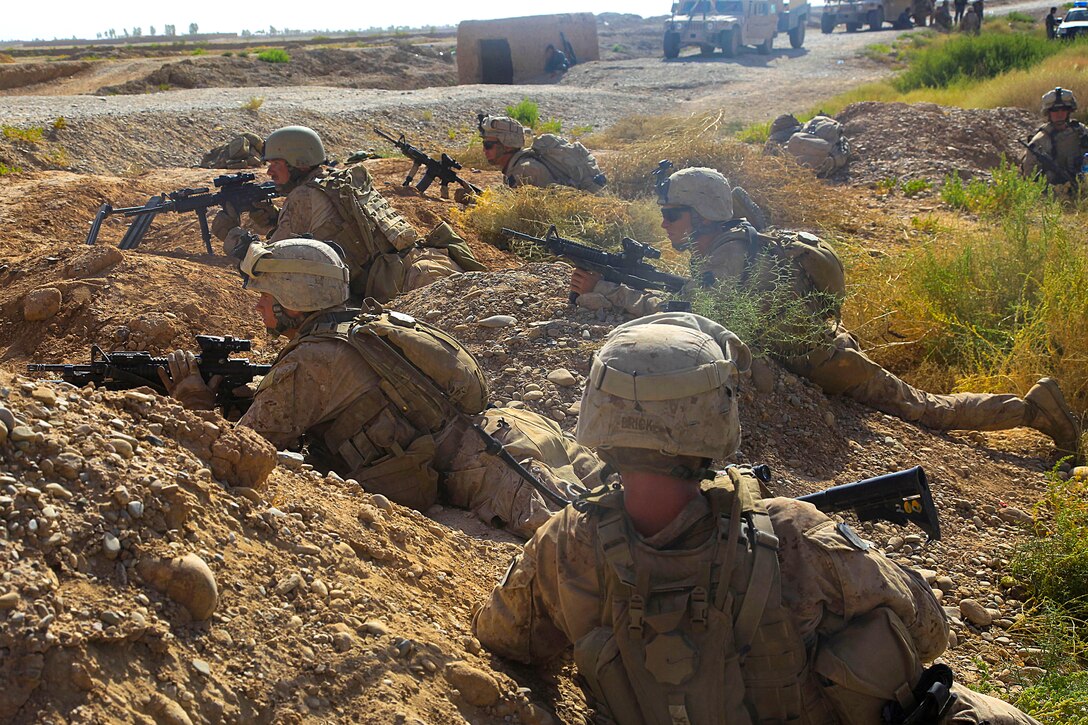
(274, 55)
(970, 57)
(915, 187)
(28, 135)
(552, 125)
(525, 112)
(5, 169)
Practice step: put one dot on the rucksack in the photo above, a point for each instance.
(570, 163)
(813, 257)
(371, 227)
(820, 145)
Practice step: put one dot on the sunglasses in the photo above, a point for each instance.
(490, 144)
(673, 213)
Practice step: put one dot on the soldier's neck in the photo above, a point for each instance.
(653, 500)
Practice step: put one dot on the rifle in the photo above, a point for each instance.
(626, 267)
(124, 370)
(445, 170)
(1050, 166)
(901, 497)
(235, 190)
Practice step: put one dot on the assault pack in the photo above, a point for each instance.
(571, 163)
(387, 437)
(821, 145)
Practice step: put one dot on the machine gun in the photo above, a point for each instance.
(124, 370)
(237, 191)
(1051, 167)
(626, 267)
(445, 170)
(901, 497)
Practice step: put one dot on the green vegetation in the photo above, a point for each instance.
(60, 123)
(619, 48)
(968, 57)
(526, 112)
(164, 86)
(274, 55)
(914, 187)
(5, 169)
(33, 134)
(552, 125)
(198, 51)
(253, 104)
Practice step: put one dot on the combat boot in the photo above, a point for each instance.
(1049, 413)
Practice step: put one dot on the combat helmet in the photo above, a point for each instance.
(665, 383)
(299, 146)
(1059, 99)
(705, 190)
(507, 131)
(301, 274)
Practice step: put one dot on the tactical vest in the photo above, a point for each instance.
(388, 436)
(683, 628)
(373, 235)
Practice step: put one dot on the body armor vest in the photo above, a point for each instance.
(685, 628)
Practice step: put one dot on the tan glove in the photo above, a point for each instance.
(226, 219)
(185, 384)
(263, 217)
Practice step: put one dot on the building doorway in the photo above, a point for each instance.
(495, 63)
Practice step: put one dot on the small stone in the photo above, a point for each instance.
(41, 304)
(562, 377)
(44, 395)
(375, 627)
(202, 667)
(288, 585)
(9, 601)
(110, 618)
(22, 433)
(498, 321)
(477, 687)
(122, 446)
(290, 459)
(975, 613)
(111, 546)
(319, 588)
(1014, 515)
(381, 502)
(135, 509)
(532, 396)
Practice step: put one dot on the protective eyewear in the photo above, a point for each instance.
(672, 214)
(490, 144)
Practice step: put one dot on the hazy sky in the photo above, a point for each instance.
(83, 19)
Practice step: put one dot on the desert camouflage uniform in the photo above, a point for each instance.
(307, 210)
(316, 381)
(839, 366)
(1067, 147)
(555, 594)
(524, 169)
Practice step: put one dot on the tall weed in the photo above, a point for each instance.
(973, 57)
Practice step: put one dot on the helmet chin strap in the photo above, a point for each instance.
(283, 321)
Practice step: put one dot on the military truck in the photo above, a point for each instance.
(856, 13)
(730, 24)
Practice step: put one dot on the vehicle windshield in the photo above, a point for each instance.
(1077, 15)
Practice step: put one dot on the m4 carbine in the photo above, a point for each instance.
(237, 191)
(124, 370)
(444, 169)
(627, 267)
(1051, 166)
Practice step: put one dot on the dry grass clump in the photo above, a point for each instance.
(5, 58)
(792, 194)
(601, 220)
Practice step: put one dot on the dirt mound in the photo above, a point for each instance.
(17, 75)
(400, 66)
(927, 141)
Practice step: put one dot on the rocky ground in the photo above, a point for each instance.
(127, 520)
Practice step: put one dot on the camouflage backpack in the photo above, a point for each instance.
(369, 227)
(814, 258)
(571, 164)
(820, 145)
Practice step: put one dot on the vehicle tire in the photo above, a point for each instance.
(706, 50)
(876, 19)
(853, 27)
(766, 46)
(797, 36)
(731, 42)
(827, 23)
(672, 45)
